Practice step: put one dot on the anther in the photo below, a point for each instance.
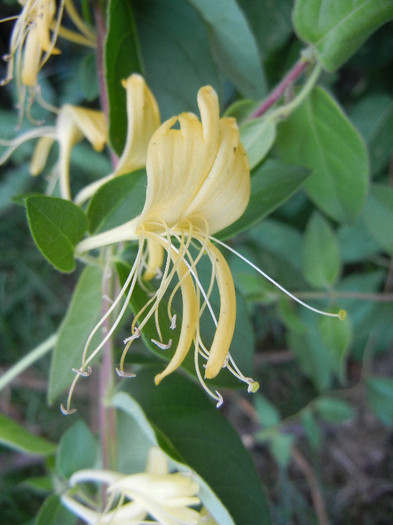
(121, 373)
(173, 322)
(220, 399)
(81, 372)
(342, 314)
(135, 335)
(158, 273)
(163, 346)
(67, 411)
(253, 386)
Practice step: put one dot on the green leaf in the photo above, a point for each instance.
(311, 427)
(268, 414)
(82, 315)
(378, 215)
(117, 202)
(52, 512)
(333, 409)
(257, 137)
(39, 484)
(320, 256)
(310, 351)
(337, 336)
(319, 136)
(233, 45)
(355, 242)
(281, 447)
(270, 22)
(176, 53)
(337, 28)
(122, 57)
(15, 436)
(272, 183)
(380, 398)
(89, 77)
(57, 226)
(373, 117)
(77, 450)
(193, 432)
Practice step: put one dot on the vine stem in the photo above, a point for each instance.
(290, 78)
(107, 420)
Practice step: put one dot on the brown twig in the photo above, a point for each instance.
(316, 495)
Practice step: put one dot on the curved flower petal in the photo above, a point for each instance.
(179, 160)
(225, 193)
(227, 316)
(73, 124)
(190, 314)
(143, 118)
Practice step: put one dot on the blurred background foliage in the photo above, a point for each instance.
(320, 430)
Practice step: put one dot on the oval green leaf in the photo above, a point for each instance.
(319, 136)
(233, 46)
(117, 202)
(321, 259)
(82, 315)
(122, 57)
(57, 226)
(337, 28)
(15, 436)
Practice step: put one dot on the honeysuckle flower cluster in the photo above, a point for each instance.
(34, 37)
(156, 494)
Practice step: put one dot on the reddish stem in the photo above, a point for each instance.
(278, 92)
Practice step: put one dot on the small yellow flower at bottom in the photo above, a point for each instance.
(163, 496)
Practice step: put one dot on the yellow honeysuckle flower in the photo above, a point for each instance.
(73, 124)
(143, 118)
(198, 182)
(34, 37)
(166, 497)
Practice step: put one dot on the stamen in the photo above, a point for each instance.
(220, 399)
(158, 274)
(173, 322)
(161, 345)
(135, 335)
(340, 315)
(217, 396)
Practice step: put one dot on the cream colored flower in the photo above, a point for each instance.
(198, 182)
(143, 118)
(163, 496)
(73, 124)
